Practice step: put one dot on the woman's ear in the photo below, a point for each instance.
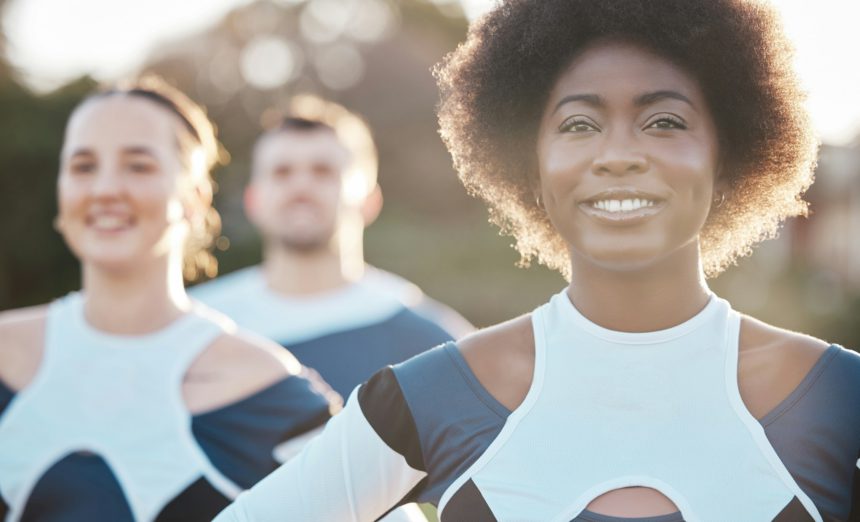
(722, 188)
(722, 185)
(249, 200)
(537, 193)
(372, 206)
(198, 199)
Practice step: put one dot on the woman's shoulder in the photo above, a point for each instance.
(773, 362)
(757, 335)
(22, 335)
(434, 410)
(482, 374)
(502, 359)
(234, 366)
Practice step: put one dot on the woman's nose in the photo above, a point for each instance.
(619, 156)
(107, 183)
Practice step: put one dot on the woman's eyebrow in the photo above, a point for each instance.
(139, 150)
(653, 97)
(590, 99)
(81, 152)
(640, 101)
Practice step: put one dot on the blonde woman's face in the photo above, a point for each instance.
(627, 154)
(119, 187)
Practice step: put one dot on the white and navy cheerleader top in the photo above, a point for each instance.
(345, 334)
(605, 410)
(102, 432)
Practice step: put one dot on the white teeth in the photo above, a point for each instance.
(109, 222)
(623, 205)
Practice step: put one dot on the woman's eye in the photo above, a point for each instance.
(82, 167)
(666, 122)
(578, 125)
(323, 171)
(141, 168)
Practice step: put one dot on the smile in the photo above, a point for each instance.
(622, 205)
(622, 211)
(108, 222)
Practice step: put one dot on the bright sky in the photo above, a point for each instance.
(53, 41)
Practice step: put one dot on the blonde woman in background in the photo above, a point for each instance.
(127, 400)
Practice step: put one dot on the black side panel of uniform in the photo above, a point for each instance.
(198, 502)
(855, 496)
(468, 505)
(384, 407)
(78, 487)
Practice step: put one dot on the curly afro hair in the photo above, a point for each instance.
(495, 85)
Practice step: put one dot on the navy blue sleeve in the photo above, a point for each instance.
(348, 358)
(855, 497)
(239, 438)
(6, 395)
(817, 432)
(455, 417)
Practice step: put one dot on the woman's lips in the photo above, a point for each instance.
(627, 211)
(109, 222)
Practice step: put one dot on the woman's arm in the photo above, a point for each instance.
(22, 336)
(348, 473)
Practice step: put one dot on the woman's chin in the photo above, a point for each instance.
(620, 259)
(117, 263)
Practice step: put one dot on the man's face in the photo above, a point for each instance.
(296, 195)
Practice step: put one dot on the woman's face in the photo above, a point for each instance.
(119, 186)
(627, 155)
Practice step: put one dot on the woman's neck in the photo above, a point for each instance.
(654, 298)
(144, 299)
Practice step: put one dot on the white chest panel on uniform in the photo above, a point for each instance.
(246, 298)
(119, 397)
(608, 410)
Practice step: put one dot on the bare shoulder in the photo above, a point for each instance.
(761, 339)
(502, 358)
(22, 338)
(235, 366)
(772, 362)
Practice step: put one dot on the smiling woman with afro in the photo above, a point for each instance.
(636, 146)
(495, 85)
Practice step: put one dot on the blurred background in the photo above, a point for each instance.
(239, 57)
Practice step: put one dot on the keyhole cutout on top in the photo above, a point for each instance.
(632, 502)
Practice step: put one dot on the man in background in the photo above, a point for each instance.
(312, 192)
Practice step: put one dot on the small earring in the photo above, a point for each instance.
(539, 201)
(719, 199)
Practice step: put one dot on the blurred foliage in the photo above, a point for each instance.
(35, 266)
(798, 297)
(429, 230)
(462, 262)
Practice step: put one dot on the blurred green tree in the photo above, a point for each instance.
(35, 266)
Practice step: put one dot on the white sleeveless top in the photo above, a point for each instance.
(609, 409)
(119, 397)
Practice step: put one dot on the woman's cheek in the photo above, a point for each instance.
(561, 171)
